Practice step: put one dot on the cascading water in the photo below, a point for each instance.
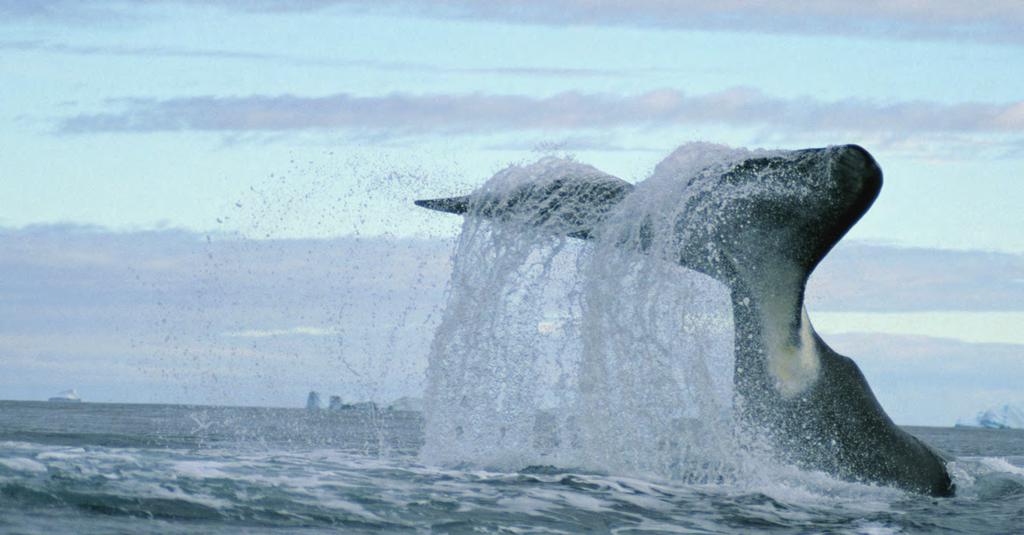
(588, 354)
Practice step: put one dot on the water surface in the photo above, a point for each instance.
(111, 468)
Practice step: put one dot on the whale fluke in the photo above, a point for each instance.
(760, 226)
(569, 205)
(451, 205)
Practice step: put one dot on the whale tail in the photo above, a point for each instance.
(843, 182)
(759, 225)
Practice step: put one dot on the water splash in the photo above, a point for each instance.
(553, 351)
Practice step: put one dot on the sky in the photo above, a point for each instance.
(210, 172)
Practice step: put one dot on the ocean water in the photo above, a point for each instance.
(115, 468)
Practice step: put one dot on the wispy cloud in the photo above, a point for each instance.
(293, 331)
(65, 11)
(978, 327)
(997, 21)
(402, 114)
(121, 50)
(389, 66)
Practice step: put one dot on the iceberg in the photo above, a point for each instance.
(336, 404)
(313, 401)
(67, 396)
(1005, 417)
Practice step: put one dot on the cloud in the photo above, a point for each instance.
(402, 114)
(883, 278)
(292, 331)
(997, 21)
(935, 381)
(120, 50)
(392, 66)
(172, 315)
(66, 11)
(214, 319)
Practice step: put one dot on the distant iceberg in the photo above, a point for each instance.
(67, 396)
(1005, 417)
(313, 401)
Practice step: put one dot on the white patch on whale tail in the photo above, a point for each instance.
(793, 362)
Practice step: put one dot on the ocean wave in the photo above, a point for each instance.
(88, 488)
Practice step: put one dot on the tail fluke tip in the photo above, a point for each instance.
(451, 205)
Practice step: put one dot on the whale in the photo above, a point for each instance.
(759, 225)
